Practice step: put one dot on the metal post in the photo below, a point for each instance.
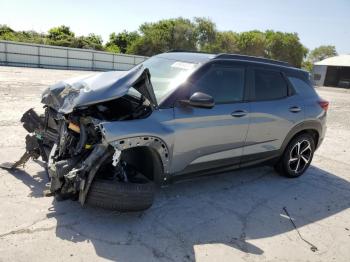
(39, 56)
(93, 61)
(67, 58)
(6, 61)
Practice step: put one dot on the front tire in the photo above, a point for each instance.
(297, 156)
(136, 195)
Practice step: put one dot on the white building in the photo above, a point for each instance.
(333, 71)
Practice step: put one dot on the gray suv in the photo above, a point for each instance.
(109, 139)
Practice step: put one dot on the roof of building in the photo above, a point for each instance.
(341, 60)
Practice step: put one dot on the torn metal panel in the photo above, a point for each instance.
(116, 157)
(86, 183)
(150, 141)
(67, 95)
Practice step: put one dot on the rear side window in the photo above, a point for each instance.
(302, 87)
(269, 85)
(224, 84)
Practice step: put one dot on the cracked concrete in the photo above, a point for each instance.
(236, 216)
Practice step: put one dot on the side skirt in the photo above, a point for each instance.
(225, 165)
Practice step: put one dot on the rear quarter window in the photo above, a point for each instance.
(302, 88)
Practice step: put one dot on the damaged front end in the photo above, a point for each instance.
(68, 135)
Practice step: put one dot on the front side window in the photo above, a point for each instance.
(224, 84)
(269, 85)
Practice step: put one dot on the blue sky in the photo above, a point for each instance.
(316, 21)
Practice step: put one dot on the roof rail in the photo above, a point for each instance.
(252, 58)
(236, 56)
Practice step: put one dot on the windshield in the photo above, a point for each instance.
(167, 74)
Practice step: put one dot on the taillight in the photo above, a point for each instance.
(324, 104)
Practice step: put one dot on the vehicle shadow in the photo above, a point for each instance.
(230, 209)
(36, 183)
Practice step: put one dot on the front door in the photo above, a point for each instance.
(209, 138)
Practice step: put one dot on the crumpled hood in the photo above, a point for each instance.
(69, 94)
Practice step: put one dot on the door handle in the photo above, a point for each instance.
(239, 113)
(295, 109)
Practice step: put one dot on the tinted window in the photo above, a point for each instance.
(224, 84)
(301, 87)
(269, 85)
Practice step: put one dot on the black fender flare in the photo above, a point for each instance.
(306, 125)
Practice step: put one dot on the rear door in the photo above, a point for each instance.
(209, 138)
(275, 109)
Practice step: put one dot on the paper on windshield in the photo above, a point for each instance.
(183, 65)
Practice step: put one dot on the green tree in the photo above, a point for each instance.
(91, 41)
(96, 39)
(113, 48)
(252, 43)
(285, 47)
(225, 42)
(322, 52)
(307, 65)
(60, 33)
(7, 33)
(198, 34)
(165, 35)
(205, 32)
(5, 29)
(122, 40)
(154, 39)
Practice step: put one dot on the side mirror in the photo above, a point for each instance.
(200, 99)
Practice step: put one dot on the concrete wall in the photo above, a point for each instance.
(46, 56)
(319, 74)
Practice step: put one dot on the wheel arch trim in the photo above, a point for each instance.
(311, 125)
(153, 142)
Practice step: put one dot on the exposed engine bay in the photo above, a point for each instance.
(69, 140)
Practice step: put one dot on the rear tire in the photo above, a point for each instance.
(137, 195)
(297, 156)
